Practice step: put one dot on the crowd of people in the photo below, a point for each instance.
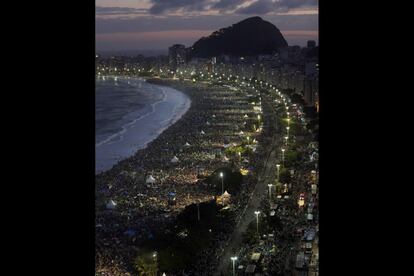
(279, 244)
(148, 190)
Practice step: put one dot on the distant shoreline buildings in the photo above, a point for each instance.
(295, 69)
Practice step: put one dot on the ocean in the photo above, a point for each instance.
(130, 113)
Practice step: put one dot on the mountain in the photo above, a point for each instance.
(252, 36)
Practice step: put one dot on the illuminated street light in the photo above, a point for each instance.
(286, 138)
(234, 259)
(283, 157)
(288, 120)
(278, 171)
(222, 185)
(257, 220)
(287, 129)
(270, 191)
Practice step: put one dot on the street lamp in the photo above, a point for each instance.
(257, 220)
(288, 120)
(278, 171)
(286, 138)
(270, 191)
(287, 129)
(234, 259)
(222, 185)
(283, 157)
(154, 255)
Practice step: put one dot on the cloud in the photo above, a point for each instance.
(161, 6)
(118, 10)
(269, 6)
(227, 4)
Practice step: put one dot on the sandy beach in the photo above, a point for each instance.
(138, 128)
(218, 118)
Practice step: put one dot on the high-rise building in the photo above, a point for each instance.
(177, 55)
(311, 44)
(310, 91)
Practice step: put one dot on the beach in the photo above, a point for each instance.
(177, 162)
(132, 116)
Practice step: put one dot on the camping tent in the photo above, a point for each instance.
(174, 159)
(187, 144)
(241, 132)
(202, 132)
(208, 123)
(150, 179)
(245, 116)
(214, 116)
(111, 205)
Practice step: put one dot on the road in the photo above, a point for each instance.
(267, 175)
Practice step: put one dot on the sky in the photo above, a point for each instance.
(157, 24)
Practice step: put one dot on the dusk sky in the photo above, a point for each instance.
(157, 24)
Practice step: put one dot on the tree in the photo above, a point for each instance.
(146, 265)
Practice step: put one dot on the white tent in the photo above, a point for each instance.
(214, 116)
(225, 159)
(174, 159)
(245, 160)
(202, 132)
(225, 194)
(241, 132)
(150, 179)
(187, 144)
(208, 123)
(111, 205)
(245, 116)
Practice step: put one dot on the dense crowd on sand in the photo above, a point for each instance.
(138, 210)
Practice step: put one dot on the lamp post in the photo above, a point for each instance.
(287, 130)
(154, 255)
(270, 191)
(222, 185)
(288, 120)
(234, 259)
(278, 171)
(257, 220)
(283, 157)
(286, 138)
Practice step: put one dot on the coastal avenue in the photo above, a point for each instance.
(267, 175)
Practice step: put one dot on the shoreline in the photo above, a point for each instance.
(111, 153)
(215, 119)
